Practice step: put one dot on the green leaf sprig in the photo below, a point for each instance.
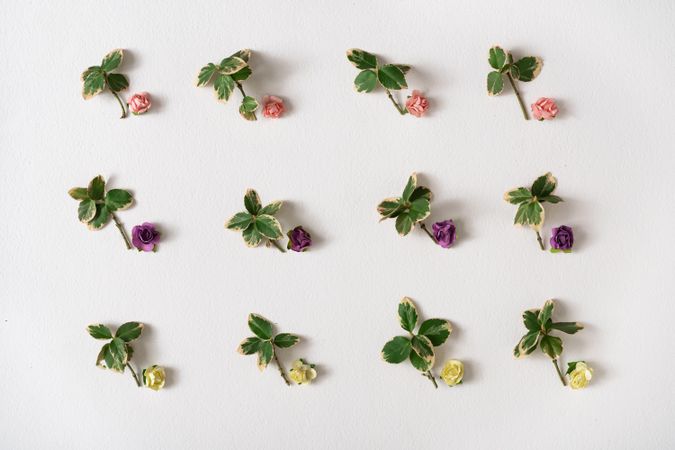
(227, 75)
(525, 69)
(390, 76)
(419, 347)
(530, 211)
(97, 78)
(413, 206)
(97, 206)
(116, 354)
(265, 343)
(539, 324)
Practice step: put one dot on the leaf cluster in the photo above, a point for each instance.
(97, 78)
(117, 353)
(530, 209)
(97, 205)
(525, 69)
(418, 347)
(389, 76)
(265, 342)
(226, 76)
(539, 324)
(257, 222)
(413, 206)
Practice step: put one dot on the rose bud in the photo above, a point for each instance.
(562, 239)
(544, 109)
(417, 104)
(445, 233)
(154, 377)
(144, 237)
(299, 240)
(579, 375)
(139, 103)
(273, 107)
(452, 372)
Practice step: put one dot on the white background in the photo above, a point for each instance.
(333, 157)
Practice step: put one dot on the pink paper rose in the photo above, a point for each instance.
(544, 109)
(273, 107)
(140, 103)
(417, 104)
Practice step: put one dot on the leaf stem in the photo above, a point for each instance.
(400, 109)
(276, 244)
(541, 242)
(430, 376)
(426, 230)
(241, 89)
(281, 370)
(133, 373)
(557, 369)
(122, 230)
(520, 100)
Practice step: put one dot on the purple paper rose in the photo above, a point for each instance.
(299, 240)
(562, 238)
(144, 237)
(445, 233)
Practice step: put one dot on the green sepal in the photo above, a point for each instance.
(260, 326)
(437, 330)
(86, 211)
(495, 83)
(528, 68)
(396, 350)
(96, 188)
(265, 354)
(99, 331)
(551, 346)
(250, 345)
(112, 60)
(407, 314)
(422, 355)
(205, 74)
(252, 201)
(285, 340)
(223, 86)
(129, 331)
(365, 81)
(362, 59)
(497, 57)
(117, 82)
(391, 77)
(268, 226)
(118, 199)
(239, 221)
(544, 185)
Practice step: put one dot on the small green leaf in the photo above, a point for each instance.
(244, 54)
(544, 185)
(118, 352)
(87, 210)
(100, 219)
(531, 321)
(528, 68)
(497, 57)
(437, 330)
(567, 327)
(404, 68)
(252, 201)
(530, 214)
(252, 236)
(362, 59)
(223, 85)
(389, 207)
(513, 69)
(272, 208)
(239, 221)
(249, 104)
(365, 81)
(265, 354)
(409, 187)
(422, 354)
(495, 83)
(249, 346)
(407, 314)
(96, 188)
(99, 331)
(391, 77)
(205, 74)
(117, 82)
(527, 344)
(93, 80)
(286, 340)
(551, 199)
(231, 65)
(396, 350)
(419, 210)
(100, 359)
(112, 60)
(243, 74)
(129, 331)
(420, 192)
(118, 199)
(404, 224)
(79, 193)
(571, 366)
(546, 311)
(517, 196)
(260, 326)
(552, 346)
(268, 226)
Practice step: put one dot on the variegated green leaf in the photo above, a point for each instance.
(527, 344)
(265, 354)
(285, 340)
(93, 80)
(101, 218)
(239, 221)
(252, 201)
(223, 86)
(112, 60)
(497, 57)
(118, 352)
(100, 359)
(87, 210)
(388, 207)
(437, 330)
(551, 346)
(365, 81)
(530, 214)
(242, 75)
(567, 327)
(231, 65)
(362, 59)
(117, 82)
(420, 192)
(129, 331)
(518, 195)
(546, 311)
(391, 77)
(419, 210)
(250, 345)
(551, 199)
(528, 68)
(96, 188)
(268, 226)
(407, 314)
(260, 326)
(272, 208)
(495, 83)
(205, 74)
(252, 236)
(404, 224)
(531, 321)
(422, 354)
(409, 187)
(79, 193)
(544, 185)
(118, 199)
(99, 331)
(244, 54)
(396, 350)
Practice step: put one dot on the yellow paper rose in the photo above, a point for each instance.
(154, 377)
(302, 373)
(452, 372)
(580, 376)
